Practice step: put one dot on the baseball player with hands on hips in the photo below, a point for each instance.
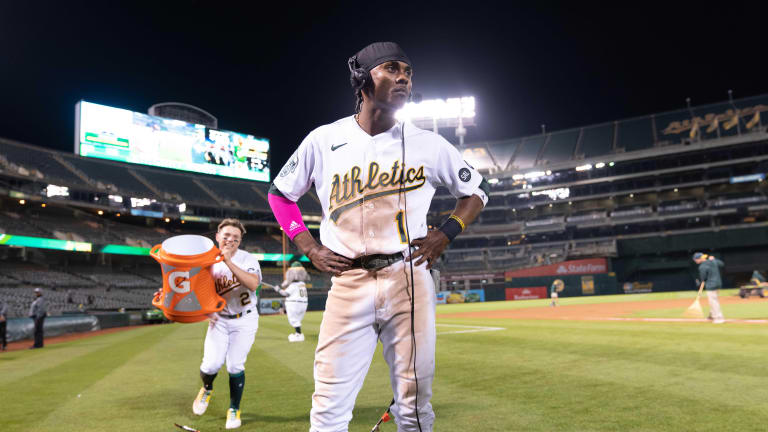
(230, 332)
(295, 289)
(375, 178)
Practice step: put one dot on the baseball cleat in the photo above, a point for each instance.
(292, 337)
(201, 401)
(299, 337)
(233, 419)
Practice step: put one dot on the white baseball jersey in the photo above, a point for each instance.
(296, 292)
(358, 179)
(238, 296)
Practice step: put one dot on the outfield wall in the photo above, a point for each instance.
(24, 328)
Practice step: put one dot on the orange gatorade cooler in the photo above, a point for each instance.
(189, 292)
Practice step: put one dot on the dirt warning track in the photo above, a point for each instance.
(621, 311)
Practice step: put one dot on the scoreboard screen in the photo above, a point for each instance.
(126, 136)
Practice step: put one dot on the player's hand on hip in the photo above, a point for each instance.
(429, 248)
(328, 261)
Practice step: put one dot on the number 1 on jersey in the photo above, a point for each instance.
(401, 227)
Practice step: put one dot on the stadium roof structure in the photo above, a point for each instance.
(718, 124)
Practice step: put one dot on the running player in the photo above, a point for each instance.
(375, 177)
(295, 289)
(230, 332)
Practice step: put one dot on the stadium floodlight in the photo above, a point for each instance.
(533, 175)
(182, 207)
(600, 165)
(436, 113)
(517, 177)
(493, 180)
(53, 190)
(141, 202)
(610, 164)
(586, 167)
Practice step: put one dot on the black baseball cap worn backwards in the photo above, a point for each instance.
(376, 54)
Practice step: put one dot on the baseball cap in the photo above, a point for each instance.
(39, 290)
(698, 255)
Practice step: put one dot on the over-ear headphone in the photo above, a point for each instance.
(358, 77)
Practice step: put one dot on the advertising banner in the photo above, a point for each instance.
(565, 268)
(474, 276)
(270, 306)
(463, 296)
(637, 287)
(588, 285)
(526, 293)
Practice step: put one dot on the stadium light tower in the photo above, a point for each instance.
(436, 113)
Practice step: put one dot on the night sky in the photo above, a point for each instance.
(280, 75)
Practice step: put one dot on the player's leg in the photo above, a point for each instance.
(214, 354)
(345, 347)
(290, 313)
(295, 312)
(241, 336)
(397, 341)
(3, 335)
(714, 306)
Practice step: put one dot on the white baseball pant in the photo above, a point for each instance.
(229, 340)
(714, 305)
(363, 307)
(295, 311)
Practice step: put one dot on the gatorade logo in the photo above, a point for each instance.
(179, 281)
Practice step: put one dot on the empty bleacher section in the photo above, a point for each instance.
(176, 187)
(235, 194)
(31, 274)
(76, 299)
(114, 174)
(37, 163)
(621, 137)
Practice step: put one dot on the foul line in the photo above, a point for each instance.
(747, 321)
(472, 329)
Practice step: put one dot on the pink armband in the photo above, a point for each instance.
(287, 214)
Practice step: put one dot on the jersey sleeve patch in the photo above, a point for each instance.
(465, 175)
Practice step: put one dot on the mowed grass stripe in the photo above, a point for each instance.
(569, 390)
(703, 345)
(157, 387)
(31, 399)
(15, 365)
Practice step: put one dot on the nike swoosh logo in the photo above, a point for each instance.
(334, 147)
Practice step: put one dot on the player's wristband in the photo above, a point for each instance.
(452, 227)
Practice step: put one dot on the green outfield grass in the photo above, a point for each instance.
(531, 376)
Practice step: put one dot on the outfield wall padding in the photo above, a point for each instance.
(113, 319)
(24, 328)
(316, 302)
(604, 283)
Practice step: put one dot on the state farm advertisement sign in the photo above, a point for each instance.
(526, 293)
(575, 267)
